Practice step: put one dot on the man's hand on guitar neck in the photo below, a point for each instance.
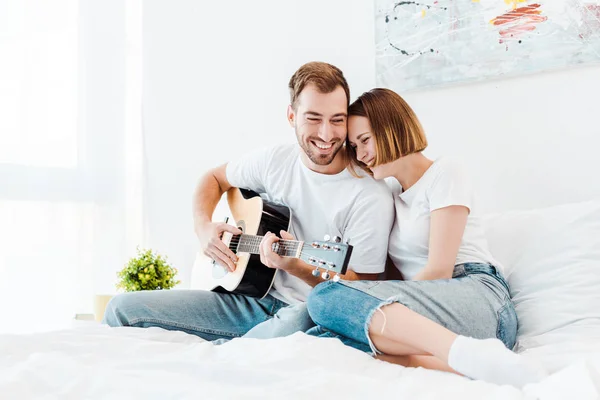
(210, 234)
(296, 266)
(273, 260)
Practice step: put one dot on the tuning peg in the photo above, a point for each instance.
(337, 239)
(326, 238)
(336, 278)
(348, 241)
(325, 275)
(315, 272)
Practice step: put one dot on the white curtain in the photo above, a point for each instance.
(71, 209)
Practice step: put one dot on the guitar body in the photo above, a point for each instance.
(254, 216)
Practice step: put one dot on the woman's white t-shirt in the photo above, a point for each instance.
(444, 184)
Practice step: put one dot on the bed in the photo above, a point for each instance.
(552, 257)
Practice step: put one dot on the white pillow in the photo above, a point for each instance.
(552, 262)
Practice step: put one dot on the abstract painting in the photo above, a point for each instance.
(429, 43)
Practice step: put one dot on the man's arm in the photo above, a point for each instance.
(208, 192)
(298, 267)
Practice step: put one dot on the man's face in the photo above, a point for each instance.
(320, 124)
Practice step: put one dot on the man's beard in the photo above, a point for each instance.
(320, 159)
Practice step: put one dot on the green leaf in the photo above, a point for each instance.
(147, 271)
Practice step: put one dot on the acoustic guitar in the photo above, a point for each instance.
(255, 217)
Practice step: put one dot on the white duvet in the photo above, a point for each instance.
(97, 362)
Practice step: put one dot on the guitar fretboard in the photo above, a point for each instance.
(251, 244)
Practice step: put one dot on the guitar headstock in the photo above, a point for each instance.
(327, 255)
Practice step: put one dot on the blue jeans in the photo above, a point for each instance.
(206, 314)
(475, 302)
(286, 321)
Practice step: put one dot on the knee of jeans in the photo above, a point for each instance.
(319, 302)
(115, 313)
(507, 325)
(314, 331)
(319, 331)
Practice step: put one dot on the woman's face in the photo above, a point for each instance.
(363, 141)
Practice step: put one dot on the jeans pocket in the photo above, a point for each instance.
(507, 325)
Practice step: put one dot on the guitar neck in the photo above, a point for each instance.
(251, 244)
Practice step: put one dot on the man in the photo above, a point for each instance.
(312, 180)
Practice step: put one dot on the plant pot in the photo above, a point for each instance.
(100, 303)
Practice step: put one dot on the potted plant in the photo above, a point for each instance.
(147, 271)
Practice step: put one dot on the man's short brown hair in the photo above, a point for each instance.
(325, 77)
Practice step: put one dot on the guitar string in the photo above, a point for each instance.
(254, 241)
(286, 246)
(254, 244)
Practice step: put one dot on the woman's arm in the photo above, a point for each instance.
(446, 231)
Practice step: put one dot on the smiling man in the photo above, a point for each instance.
(311, 178)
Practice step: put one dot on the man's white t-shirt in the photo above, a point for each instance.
(444, 184)
(361, 210)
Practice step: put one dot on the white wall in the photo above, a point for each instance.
(215, 85)
(530, 141)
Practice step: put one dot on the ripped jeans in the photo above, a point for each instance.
(475, 302)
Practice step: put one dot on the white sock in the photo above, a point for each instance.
(489, 360)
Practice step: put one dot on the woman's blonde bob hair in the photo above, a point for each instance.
(395, 127)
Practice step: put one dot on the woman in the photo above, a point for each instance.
(453, 310)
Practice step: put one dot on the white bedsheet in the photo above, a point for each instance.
(97, 362)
